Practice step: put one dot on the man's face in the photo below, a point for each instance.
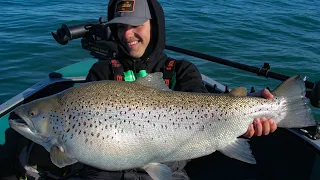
(135, 38)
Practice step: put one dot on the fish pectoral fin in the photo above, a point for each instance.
(240, 91)
(60, 158)
(240, 150)
(158, 171)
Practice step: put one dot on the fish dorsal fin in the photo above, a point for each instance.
(240, 91)
(153, 80)
(59, 157)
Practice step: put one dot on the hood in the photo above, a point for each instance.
(154, 52)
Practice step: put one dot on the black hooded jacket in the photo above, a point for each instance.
(154, 59)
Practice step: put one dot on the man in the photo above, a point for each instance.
(138, 27)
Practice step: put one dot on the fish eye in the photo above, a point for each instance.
(33, 113)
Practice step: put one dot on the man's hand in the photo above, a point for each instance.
(261, 126)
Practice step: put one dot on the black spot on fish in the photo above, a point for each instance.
(86, 140)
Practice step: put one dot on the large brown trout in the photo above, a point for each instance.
(115, 125)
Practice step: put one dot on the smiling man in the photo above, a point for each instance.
(138, 27)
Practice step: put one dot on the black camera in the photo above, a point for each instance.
(96, 38)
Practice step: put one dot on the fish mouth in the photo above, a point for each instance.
(26, 128)
(17, 122)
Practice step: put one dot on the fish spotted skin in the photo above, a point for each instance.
(116, 125)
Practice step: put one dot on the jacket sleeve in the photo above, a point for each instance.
(188, 78)
(99, 71)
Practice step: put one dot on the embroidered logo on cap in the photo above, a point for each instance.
(125, 6)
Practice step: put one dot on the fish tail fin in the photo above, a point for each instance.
(298, 113)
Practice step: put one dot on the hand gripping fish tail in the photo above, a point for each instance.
(294, 113)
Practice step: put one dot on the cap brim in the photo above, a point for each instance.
(132, 21)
